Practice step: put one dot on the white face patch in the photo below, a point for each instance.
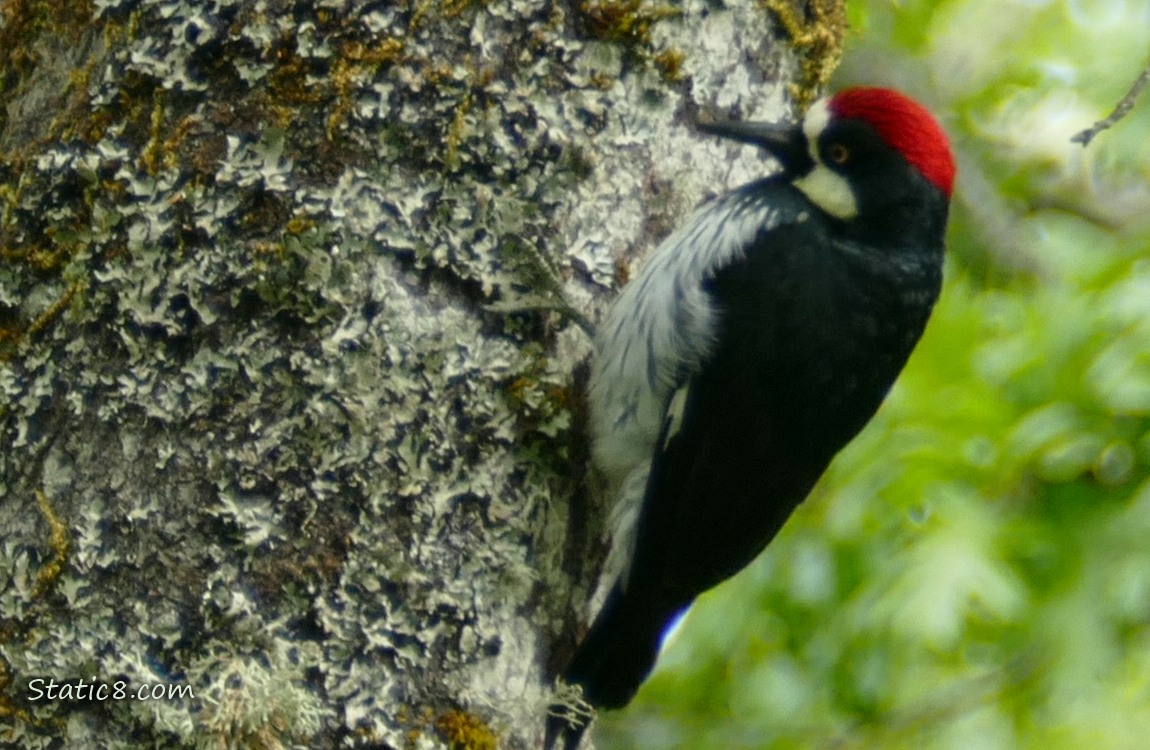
(826, 189)
(815, 122)
(830, 191)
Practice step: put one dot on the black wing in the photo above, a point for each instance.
(808, 348)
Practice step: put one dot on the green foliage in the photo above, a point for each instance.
(974, 570)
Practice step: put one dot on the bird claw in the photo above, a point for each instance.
(568, 717)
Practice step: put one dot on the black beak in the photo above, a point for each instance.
(785, 142)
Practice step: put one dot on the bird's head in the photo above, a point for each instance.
(857, 151)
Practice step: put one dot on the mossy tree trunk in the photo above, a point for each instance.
(289, 375)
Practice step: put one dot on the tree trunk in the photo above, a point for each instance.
(290, 385)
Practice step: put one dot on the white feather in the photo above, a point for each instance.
(675, 411)
(817, 119)
(830, 191)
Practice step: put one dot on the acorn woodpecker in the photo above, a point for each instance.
(755, 343)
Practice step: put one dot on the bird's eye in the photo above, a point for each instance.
(838, 154)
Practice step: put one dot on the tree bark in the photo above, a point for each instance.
(290, 381)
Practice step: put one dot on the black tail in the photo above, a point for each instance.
(612, 661)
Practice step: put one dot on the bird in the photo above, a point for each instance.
(759, 338)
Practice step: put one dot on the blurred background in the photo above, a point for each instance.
(974, 570)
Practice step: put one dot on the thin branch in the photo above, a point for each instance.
(1124, 106)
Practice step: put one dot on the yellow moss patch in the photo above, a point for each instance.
(464, 731)
(60, 544)
(670, 62)
(816, 30)
(46, 319)
(355, 63)
(624, 20)
(152, 155)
